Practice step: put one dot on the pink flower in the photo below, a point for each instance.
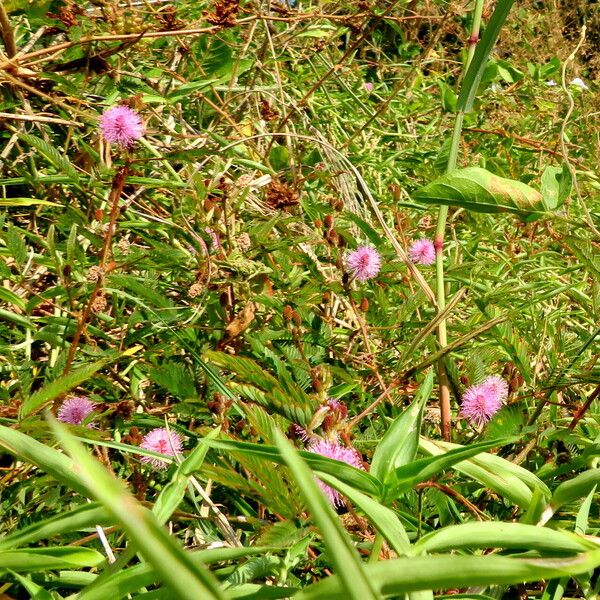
(338, 452)
(368, 86)
(163, 441)
(75, 411)
(122, 126)
(422, 252)
(364, 263)
(482, 401)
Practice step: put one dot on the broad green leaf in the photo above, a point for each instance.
(187, 580)
(556, 186)
(42, 559)
(400, 443)
(479, 190)
(406, 477)
(343, 556)
(575, 488)
(502, 535)
(507, 479)
(395, 577)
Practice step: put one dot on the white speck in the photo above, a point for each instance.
(551, 83)
(580, 83)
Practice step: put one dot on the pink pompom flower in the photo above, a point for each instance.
(338, 452)
(75, 411)
(482, 401)
(122, 126)
(364, 263)
(422, 252)
(162, 441)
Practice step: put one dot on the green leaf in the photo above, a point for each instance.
(505, 478)
(280, 394)
(76, 519)
(479, 62)
(502, 535)
(25, 202)
(406, 477)
(29, 450)
(43, 559)
(575, 488)
(556, 186)
(400, 443)
(395, 577)
(172, 494)
(343, 556)
(187, 580)
(382, 517)
(63, 384)
(320, 464)
(52, 155)
(479, 190)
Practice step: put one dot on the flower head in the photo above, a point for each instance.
(364, 263)
(75, 411)
(338, 452)
(551, 83)
(163, 441)
(482, 401)
(122, 126)
(215, 243)
(422, 252)
(368, 86)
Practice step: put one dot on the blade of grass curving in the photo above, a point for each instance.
(127, 581)
(321, 464)
(382, 517)
(86, 515)
(67, 382)
(173, 565)
(172, 494)
(343, 556)
(29, 450)
(484, 47)
(571, 490)
(46, 559)
(400, 576)
(502, 535)
(406, 477)
(400, 443)
(505, 478)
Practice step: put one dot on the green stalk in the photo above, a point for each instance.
(439, 237)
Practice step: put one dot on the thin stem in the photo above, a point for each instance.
(445, 411)
(8, 36)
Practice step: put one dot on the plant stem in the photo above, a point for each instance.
(442, 337)
(8, 36)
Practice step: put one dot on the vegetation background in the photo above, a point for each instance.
(198, 281)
